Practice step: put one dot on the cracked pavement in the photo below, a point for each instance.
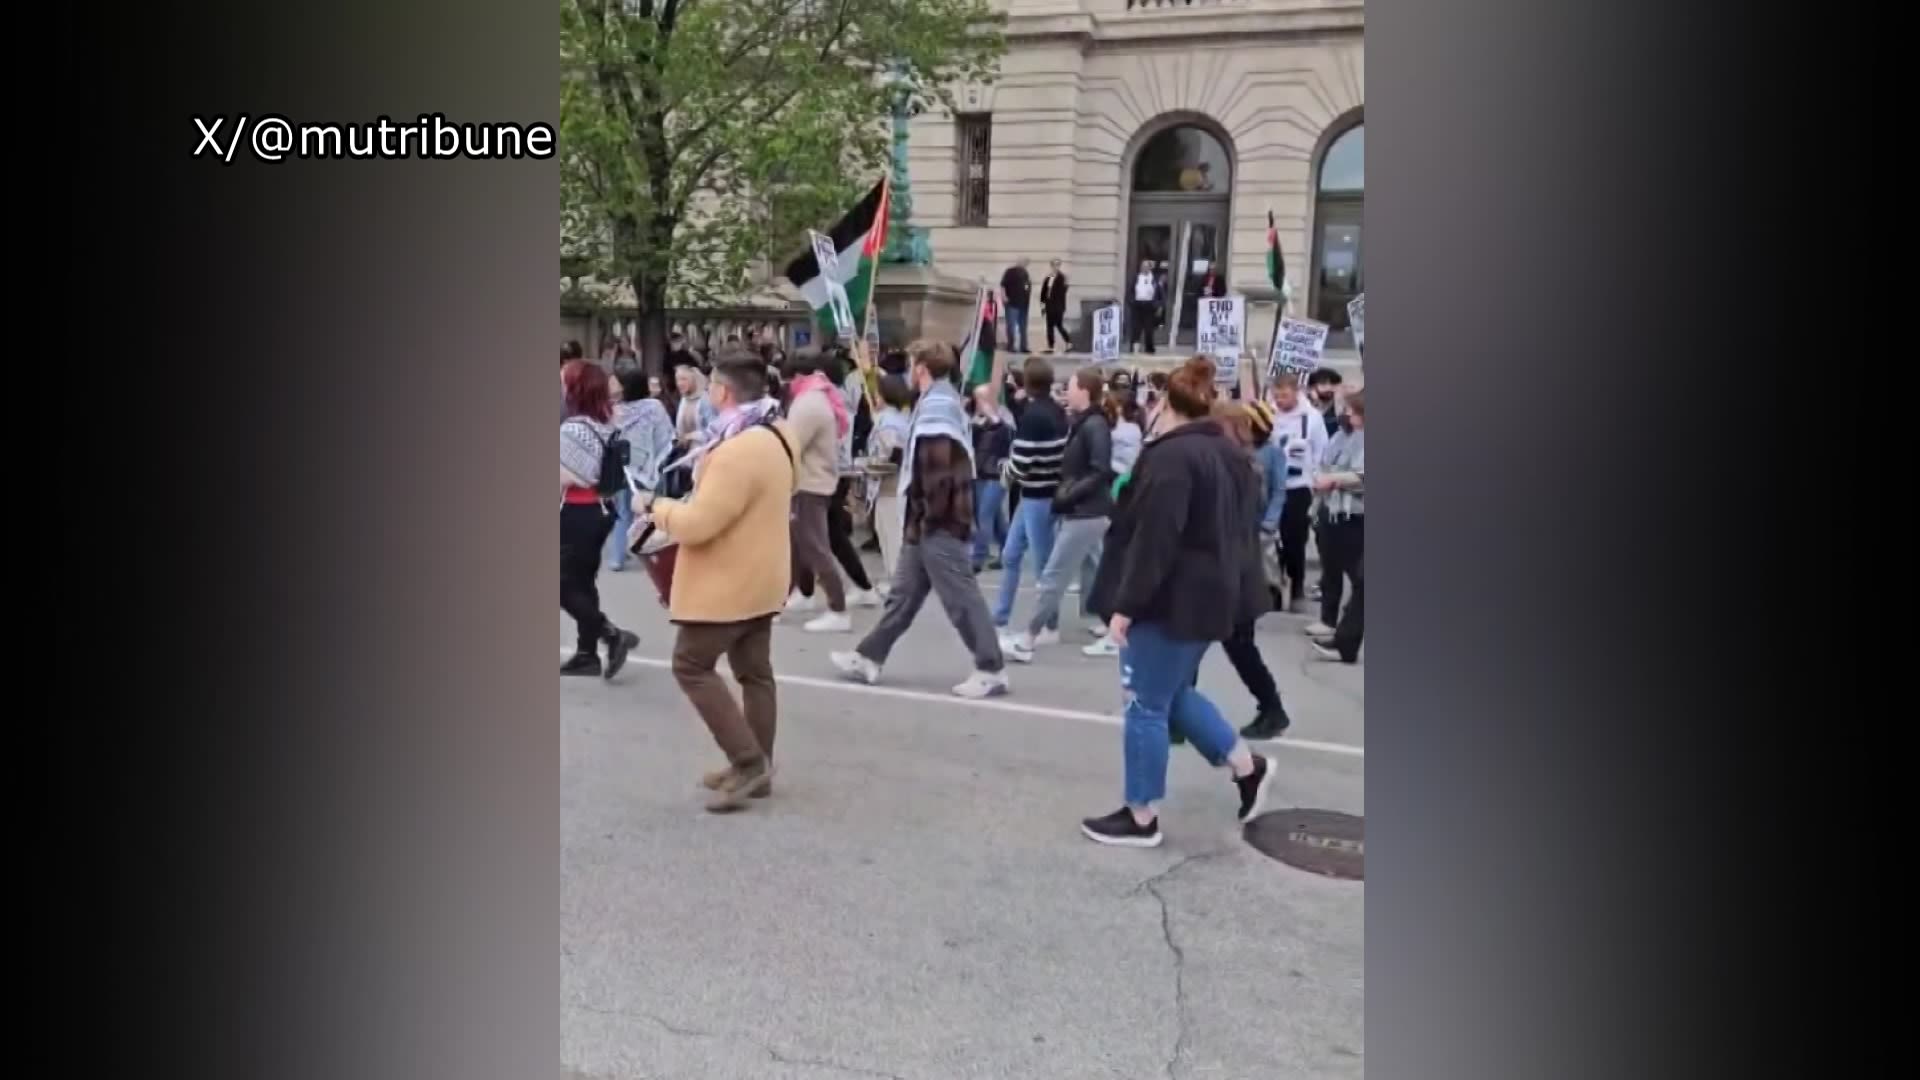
(916, 903)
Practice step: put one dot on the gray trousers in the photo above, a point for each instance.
(942, 564)
(1073, 542)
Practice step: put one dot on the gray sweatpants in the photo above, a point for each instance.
(1073, 542)
(941, 564)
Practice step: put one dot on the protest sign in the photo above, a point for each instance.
(837, 301)
(1222, 326)
(1296, 348)
(1106, 334)
(1357, 317)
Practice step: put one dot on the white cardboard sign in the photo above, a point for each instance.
(1106, 334)
(1297, 348)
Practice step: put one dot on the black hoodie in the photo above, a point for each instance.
(1184, 548)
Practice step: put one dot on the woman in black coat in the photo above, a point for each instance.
(1181, 570)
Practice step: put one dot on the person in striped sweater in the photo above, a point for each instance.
(1033, 466)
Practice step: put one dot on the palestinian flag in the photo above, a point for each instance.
(858, 238)
(978, 350)
(1276, 265)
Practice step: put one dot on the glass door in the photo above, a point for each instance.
(1200, 272)
(1339, 277)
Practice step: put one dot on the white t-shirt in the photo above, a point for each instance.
(1306, 432)
(1143, 288)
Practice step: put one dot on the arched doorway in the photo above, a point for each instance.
(1340, 186)
(1182, 189)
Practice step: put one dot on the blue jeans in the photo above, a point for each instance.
(1157, 672)
(622, 521)
(989, 522)
(1032, 528)
(1016, 328)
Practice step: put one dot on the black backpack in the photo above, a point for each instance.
(614, 456)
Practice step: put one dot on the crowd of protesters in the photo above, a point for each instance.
(1180, 511)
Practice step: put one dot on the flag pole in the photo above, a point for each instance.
(868, 363)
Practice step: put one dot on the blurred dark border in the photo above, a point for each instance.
(1603, 249)
(317, 626)
(313, 794)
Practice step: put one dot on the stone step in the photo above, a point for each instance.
(1345, 361)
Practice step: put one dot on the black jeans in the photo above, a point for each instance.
(840, 539)
(1056, 320)
(1247, 662)
(1295, 518)
(1142, 327)
(1343, 558)
(583, 533)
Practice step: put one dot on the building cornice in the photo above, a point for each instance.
(1238, 20)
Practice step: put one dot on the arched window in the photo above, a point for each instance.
(1338, 267)
(1183, 159)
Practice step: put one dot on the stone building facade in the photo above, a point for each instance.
(1160, 129)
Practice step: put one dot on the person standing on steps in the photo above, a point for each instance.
(592, 463)
(1179, 573)
(732, 575)
(1146, 295)
(816, 422)
(936, 481)
(1302, 433)
(1016, 288)
(1080, 504)
(1033, 466)
(1053, 304)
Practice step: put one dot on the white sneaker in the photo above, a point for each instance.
(1017, 647)
(1103, 647)
(800, 605)
(983, 684)
(863, 598)
(1316, 628)
(1046, 637)
(856, 668)
(833, 622)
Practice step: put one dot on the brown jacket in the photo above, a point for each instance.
(734, 562)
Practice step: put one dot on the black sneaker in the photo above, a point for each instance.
(1119, 829)
(582, 664)
(1254, 788)
(995, 564)
(1268, 725)
(618, 646)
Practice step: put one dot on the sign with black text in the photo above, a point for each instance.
(1357, 317)
(1106, 334)
(1296, 348)
(1221, 326)
(837, 302)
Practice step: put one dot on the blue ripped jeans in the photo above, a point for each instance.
(1157, 673)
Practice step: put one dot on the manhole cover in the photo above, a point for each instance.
(1317, 841)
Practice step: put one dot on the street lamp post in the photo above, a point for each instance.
(907, 243)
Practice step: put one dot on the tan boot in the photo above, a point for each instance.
(717, 779)
(740, 785)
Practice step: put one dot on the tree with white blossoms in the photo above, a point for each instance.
(699, 136)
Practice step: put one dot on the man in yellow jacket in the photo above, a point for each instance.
(732, 574)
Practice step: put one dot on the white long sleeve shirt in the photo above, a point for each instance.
(1306, 434)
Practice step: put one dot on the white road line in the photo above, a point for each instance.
(991, 704)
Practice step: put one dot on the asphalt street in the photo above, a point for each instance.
(916, 900)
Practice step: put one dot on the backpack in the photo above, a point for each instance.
(615, 454)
